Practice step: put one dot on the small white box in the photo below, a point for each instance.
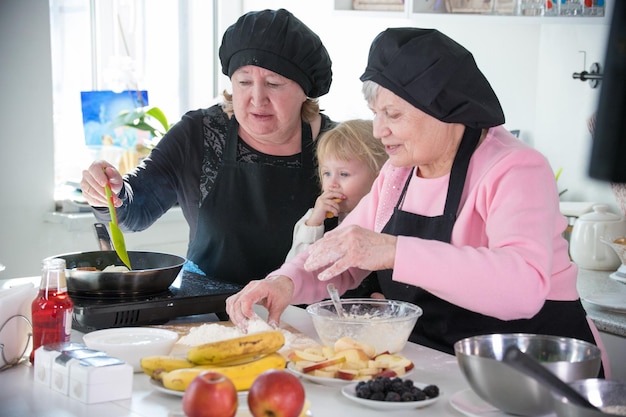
(60, 374)
(45, 356)
(99, 379)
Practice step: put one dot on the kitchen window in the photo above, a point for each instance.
(166, 47)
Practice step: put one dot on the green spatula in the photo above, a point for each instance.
(116, 234)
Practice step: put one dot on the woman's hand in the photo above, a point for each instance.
(351, 247)
(326, 205)
(273, 293)
(93, 182)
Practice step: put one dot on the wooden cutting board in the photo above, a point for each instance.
(297, 340)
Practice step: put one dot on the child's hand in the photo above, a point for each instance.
(326, 206)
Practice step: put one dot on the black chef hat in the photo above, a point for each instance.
(434, 74)
(276, 40)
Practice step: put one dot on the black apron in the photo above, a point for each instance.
(443, 323)
(245, 224)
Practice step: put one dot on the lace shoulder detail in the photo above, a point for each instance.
(214, 129)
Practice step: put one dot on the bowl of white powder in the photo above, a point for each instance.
(384, 324)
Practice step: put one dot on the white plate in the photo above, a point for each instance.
(609, 301)
(331, 382)
(349, 392)
(158, 386)
(470, 404)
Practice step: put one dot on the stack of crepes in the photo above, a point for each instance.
(382, 5)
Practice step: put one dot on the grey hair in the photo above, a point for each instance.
(369, 90)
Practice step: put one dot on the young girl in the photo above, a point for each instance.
(349, 159)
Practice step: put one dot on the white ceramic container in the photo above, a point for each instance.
(586, 246)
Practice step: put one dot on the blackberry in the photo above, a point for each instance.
(407, 396)
(418, 394)
(431, 391)
(363, 391)
(397, 385)
(376, 386)
(377, 396)
(393, 397)
(394, 390)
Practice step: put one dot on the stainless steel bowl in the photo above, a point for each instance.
(609, 396)
(480, 360)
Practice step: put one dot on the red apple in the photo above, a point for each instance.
(210, 394)
(276, 393)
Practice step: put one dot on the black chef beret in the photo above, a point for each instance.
(434, 74)
(276, 40)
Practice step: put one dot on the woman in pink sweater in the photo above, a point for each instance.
(463, 220)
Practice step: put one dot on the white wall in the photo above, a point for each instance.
(26, 153)
(529, 61)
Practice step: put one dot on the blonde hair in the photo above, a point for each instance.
(310, 108)
(353, 139)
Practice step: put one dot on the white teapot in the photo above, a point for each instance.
(586, 246)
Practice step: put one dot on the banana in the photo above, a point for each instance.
(154, 365)
(242, 375)
(243, 347)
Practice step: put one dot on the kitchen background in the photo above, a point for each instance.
(529, 61)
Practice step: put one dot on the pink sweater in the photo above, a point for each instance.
(507, 254)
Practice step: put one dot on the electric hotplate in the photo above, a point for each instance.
(189, 294)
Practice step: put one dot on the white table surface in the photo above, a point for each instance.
(20, 396)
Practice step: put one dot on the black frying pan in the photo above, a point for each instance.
(152, 272)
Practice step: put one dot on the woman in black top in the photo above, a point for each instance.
(243, 172)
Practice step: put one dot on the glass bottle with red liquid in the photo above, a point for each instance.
(52, 308)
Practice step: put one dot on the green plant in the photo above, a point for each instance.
(558, 174)
(144, 118)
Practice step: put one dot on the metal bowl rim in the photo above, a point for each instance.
(596, 352)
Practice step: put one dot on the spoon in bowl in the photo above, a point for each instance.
(532, 368)
(334, 297)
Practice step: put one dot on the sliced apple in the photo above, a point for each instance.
(303, 355)
(323, 364)
(300, 365)
(388, 373)
(345, 343)
(347, 374)
(399, 370)
(355, 365)
(315, 351)
(323, 373)
(328, 352)
(392, 361)
(353, 355)
(369, 371)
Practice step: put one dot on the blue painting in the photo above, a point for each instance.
(102, 107)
